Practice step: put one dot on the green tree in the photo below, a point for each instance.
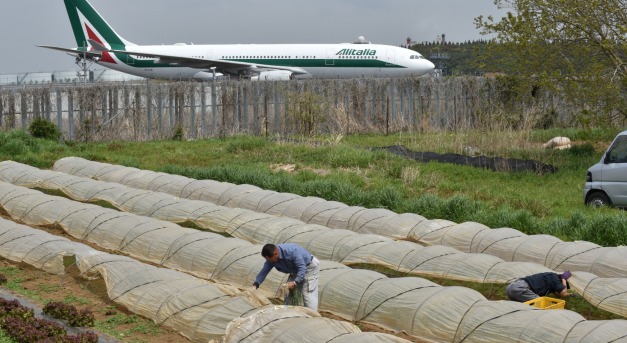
(578, 47)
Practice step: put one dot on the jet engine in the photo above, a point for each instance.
(273, 75)
(206, 76)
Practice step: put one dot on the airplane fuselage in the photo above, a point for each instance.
(318, 60)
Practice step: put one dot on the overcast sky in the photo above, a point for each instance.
(26, 23)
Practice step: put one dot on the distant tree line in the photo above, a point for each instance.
(466, 58)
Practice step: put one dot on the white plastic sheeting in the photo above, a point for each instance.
(336, 245)
(199, 310)
(279, 324)
(416, 306)
(505, 243)
(342, 291)
(21, 244)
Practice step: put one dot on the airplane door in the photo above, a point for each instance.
(390, 57)
(330, 59)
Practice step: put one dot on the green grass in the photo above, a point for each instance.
(134, 323)
(4, 338)
(347, 170)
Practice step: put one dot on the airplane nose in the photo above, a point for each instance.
(424, 66)
(428, 66)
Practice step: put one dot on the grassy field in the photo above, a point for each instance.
(346, 169)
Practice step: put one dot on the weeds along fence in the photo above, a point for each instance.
(157, 110)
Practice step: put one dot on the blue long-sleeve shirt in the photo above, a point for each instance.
(293, 259)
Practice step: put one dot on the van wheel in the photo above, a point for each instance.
(598, 199)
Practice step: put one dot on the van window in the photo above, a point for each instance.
(618, 152)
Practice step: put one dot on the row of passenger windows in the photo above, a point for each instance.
(340, 57)
(358, 57)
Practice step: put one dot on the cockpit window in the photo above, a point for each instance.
(415, 57)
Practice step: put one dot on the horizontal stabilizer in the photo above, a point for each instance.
(73, 52)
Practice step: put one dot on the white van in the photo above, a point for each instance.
(606, 181)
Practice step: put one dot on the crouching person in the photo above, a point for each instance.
(538, 285)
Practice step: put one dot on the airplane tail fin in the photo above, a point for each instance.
(88, 24)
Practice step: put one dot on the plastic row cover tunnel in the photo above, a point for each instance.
(336, 245)
(197, 309)
(505, 243)
(416, 306)
(343, 246)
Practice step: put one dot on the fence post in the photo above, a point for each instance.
(47, 105)
(11, 118)
(192, 105)
(214, 108)
(412, 104)
(387, 115)
(237, 118)
(275, 99)
(392, 99)
(244, 115)
(160, 108)
(256, 119)
(59, 110)
(265, 111)
(149, 109)
(70, 113)
(104, 107)
(24, 109)
(171, 105)
(203, 110)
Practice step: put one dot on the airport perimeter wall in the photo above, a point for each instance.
(152, 110)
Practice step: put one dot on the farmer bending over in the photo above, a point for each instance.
(303, 267)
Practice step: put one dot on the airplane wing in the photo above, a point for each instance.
(229, 67)
(73, 52)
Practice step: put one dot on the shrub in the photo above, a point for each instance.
(60, 310)
(69, 312)
(178, 133)
(84, 318)
(582, 150)
(32, 330)
(45, 129)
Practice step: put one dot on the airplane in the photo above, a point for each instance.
(98, 42)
